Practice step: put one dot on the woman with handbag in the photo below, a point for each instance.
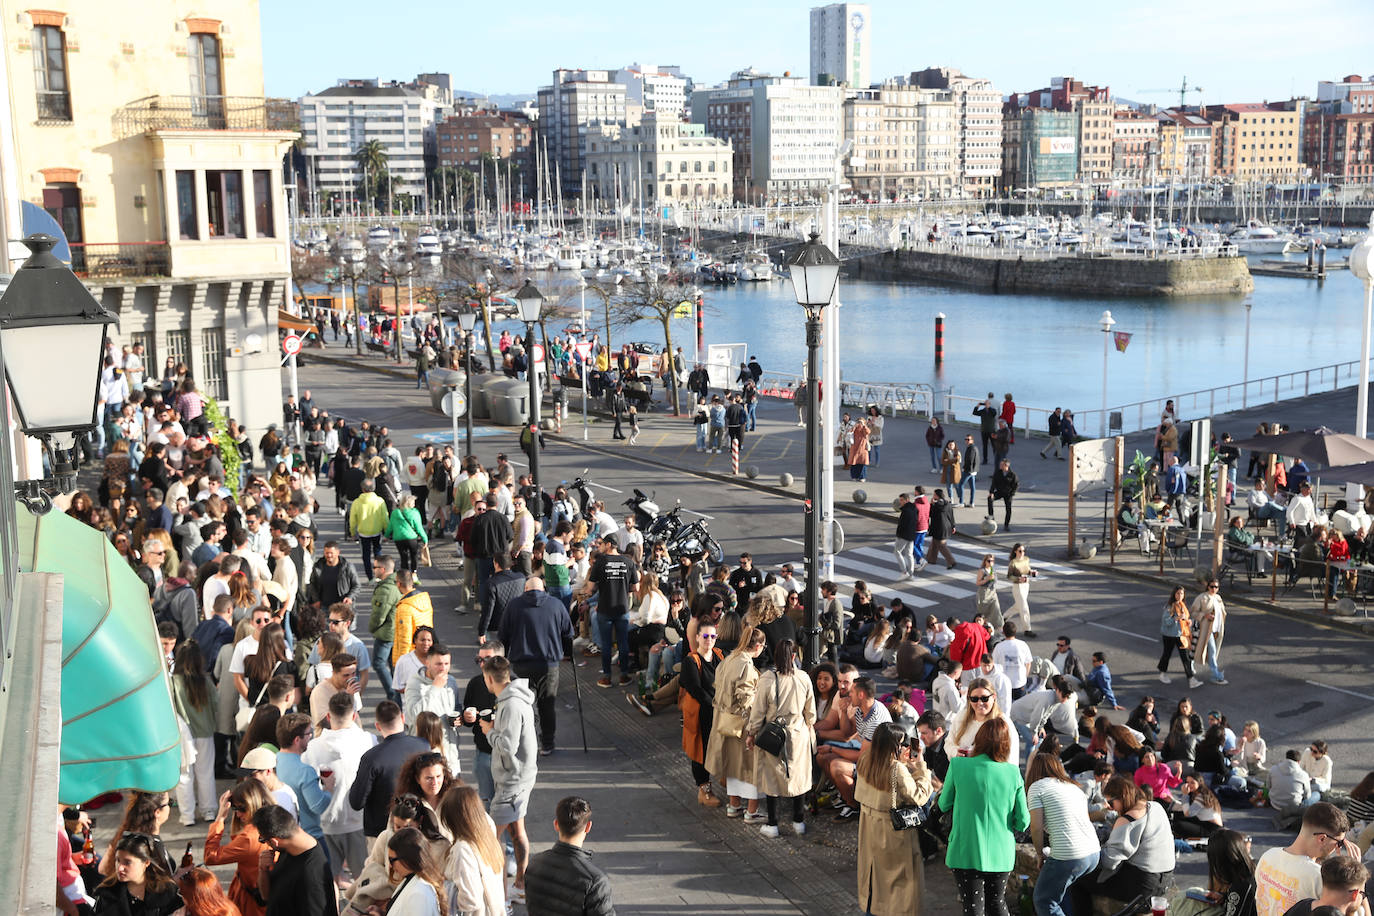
(988, 801)
(890, 783)
(726, 754)
(780, 724)
(696, 698)
(989, 605)
(405, 527)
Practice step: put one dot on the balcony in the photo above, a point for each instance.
(206, 112)
(121, 260)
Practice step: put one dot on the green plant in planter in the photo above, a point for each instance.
(228, 448)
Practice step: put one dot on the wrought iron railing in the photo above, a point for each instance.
(205, 112)
(112, 261)
(54, 106)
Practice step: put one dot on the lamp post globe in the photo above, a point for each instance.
(1107, 322)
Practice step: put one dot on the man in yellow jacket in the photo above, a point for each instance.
(412, 611)
(367, 519)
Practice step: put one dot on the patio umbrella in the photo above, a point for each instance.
(1322, 446)
(1362, 474)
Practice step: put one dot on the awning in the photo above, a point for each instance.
(288, 322)
(118, 728)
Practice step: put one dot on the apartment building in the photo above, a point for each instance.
(150, 141)
(1135, 140)
(1039, 148)
(462, 140)
(568, 107)
(905, 142)
(1256, 141)
(672, 162)
(1338, 131)
(1185, 145)
(840, 37)
(653, 88)
(784, 133)
(978, 137)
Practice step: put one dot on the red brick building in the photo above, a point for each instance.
(462, 140)
(1338, 132)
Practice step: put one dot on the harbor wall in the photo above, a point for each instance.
(1095, 276)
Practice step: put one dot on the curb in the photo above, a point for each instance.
(1358, 629)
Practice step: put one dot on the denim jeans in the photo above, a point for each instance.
(617, 628)
(1217, 673)
(750, 410)
(563, 593)
(486, 786)
(970, 480)
(934, 456)
(918, 546)
(381, 663)
(874, 451)
(701, 437)
(1027, 739)
(372, 547)
(1053, 884)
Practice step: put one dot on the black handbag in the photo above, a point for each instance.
(906, 817)
(772, 737)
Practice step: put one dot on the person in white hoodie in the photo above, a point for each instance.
(514, 752)
(946, 698)
(336, 752)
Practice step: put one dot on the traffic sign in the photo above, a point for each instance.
(538, 352)
(455, 397)
(583, 348)
(291, 344)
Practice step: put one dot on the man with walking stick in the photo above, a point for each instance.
(537, 631)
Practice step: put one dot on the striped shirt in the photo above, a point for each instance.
(1065, 808)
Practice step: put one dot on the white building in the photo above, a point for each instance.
(672, 162)
(654, 88)
(905, 142)
(335, 122)
(978, 109)
(568, 107)
(840, 38)
(784, 132)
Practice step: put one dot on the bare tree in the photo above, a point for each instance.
(655, 298)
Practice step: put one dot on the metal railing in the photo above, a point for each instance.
(109, 261)
(891, 398)
(54, 106)
(205, 112)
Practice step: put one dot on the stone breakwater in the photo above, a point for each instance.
(1095, 276)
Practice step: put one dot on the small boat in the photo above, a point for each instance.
(378, 237)
(428, 245)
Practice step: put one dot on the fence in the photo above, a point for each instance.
(892, 399)
(205, 112)
(105, 261)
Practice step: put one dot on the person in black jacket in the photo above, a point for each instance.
(1004, 486)
(1053, 426)
(293, 875)
(139, 874)
(537, 632)
(986, 413)
(349, 486)
(941, 528)
(491, 535)
(970, 471)
(562, 881)
(478, 697)
(504, 586)
(376, 779)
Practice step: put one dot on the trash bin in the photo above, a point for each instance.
(441, 381)
(509, 402)
(482, 385)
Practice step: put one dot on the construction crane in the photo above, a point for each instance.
(1181, 90)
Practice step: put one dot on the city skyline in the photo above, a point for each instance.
(1262, 60)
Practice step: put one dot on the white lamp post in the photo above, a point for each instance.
(467, 320)
(528, 303)
(1362, 266)
(1245, 372)
(47, 315)
(1107, 322)
(815, 272)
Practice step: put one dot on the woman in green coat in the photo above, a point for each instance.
(986, 795)
(407, 530)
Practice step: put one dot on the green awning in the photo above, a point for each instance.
(118, 728)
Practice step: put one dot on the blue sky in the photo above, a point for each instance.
(1253, 50)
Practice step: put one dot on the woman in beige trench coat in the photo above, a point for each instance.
(784, 694)
(726, 756)
(891, 876)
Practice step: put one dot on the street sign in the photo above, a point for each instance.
(538, 352)
(1201, 447)
(449, 401)
(291, 344)
(583, 348)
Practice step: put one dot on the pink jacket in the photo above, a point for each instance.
(1160, 778)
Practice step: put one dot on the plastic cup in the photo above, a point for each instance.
(1158, 906)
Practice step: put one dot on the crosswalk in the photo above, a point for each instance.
(934, 585)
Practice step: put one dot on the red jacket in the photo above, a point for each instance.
(970, 642)
(922, 504)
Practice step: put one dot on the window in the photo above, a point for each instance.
(149, 341)
(207, 82)
(50, 74)
(262, 203)
(178, 348)
(224, 204)
(187, 222)
(212, 367)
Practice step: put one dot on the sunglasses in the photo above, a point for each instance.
(706, 635)
(981, 698)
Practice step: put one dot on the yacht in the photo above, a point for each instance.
(1257, 238)
(428, 245)
(378, 237)
(351, 251)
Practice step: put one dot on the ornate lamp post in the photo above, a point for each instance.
(528, 302)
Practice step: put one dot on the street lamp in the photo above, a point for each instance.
(529, 301)
(467, 320)
(1107, 321)
(44, 313)
(815, 273)
(1362, 266)
(1245, 371)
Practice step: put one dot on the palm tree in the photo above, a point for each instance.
(371, 158)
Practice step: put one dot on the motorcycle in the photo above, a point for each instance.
(584, 495)
(694, 540)
(644, 509)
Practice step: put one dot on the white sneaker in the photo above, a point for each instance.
(1194, 683)
(923, 564)
(799, 827)
(769, 831)
(1165, 679)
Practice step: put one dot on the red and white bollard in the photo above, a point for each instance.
(558, 416)
(734, 456)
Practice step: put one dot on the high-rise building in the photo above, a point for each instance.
(1040, 147)
(568, 107)
(652, 88)
(155, 149)
(840, 36)
(1338, 131)
(672, 162)
(978, 140)
(784, 133)
(905, 142)
(1256, 141)
(337, 121)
